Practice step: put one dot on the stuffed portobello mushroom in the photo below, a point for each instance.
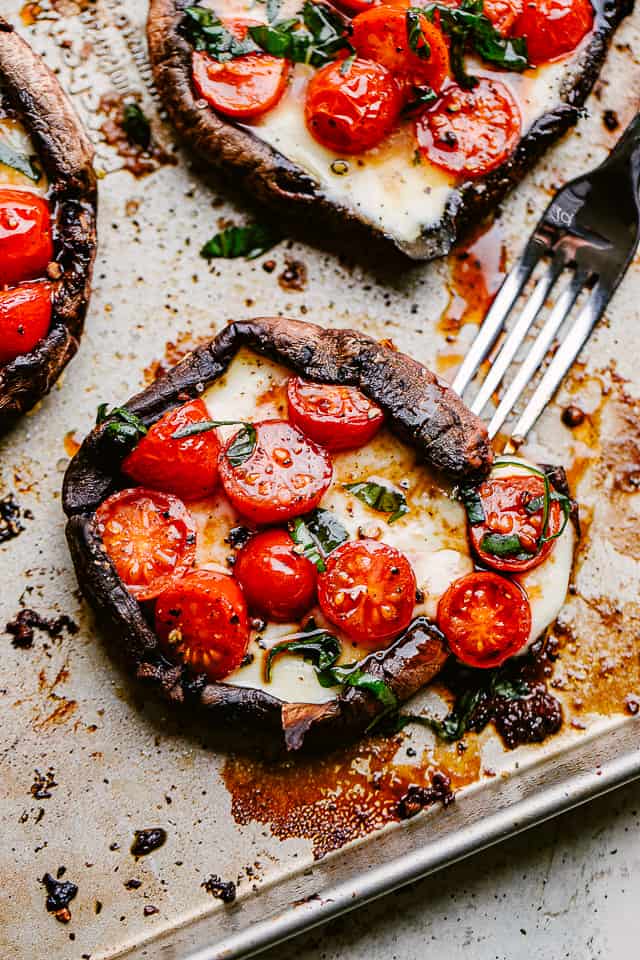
(47, 227)
(291, 531)
(378, 121)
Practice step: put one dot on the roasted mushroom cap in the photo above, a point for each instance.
(270, 177)
(66, 155)
(419, 408)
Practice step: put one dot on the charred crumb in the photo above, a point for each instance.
(59, 896)
(417, 798)
(224, 890)
(247, 659)
(238, 536)
(11, 516)
(43, 784)
(146, 841)
(269, 266)
(26, 621)
(610, 120)
(632, 704)
(132, 884)
(573, 416)
(150, 910)
(294, 276)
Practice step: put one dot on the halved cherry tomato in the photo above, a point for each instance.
(505, 501)
(188, 467)
(285, 476)
(381, 34)
(278, 583)
(149, 536)
(485, 618)
(369, 591)
(553, 28)
(338, 418)
(243, 87)
(351, 107)
(26, 246)
(470, 132)
(201, 621)
(503, 13)
(25, 318)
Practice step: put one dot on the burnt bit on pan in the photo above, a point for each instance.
(294, 276)
(224, 890)
(60, 893)
(11, 516)
(148, 840)
(22, 628)
(127, 129)
(417, 798)
(43, 784)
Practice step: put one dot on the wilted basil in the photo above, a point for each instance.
(240, 448)
(121, 424)
(469, 496)
(380, 497)
(319, 647)
(20, 162)
(415, 34)
(136, 125)
(318, 533)
(249, 242)
(205, 32)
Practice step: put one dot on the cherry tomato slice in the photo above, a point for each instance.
(352, 107)
(470, 132)
(505, 501)
(243, 87)
(150, 537)
(26, 246)
(338, 418)
(381, 34)
(553, 28)
(485, 618)
(285, 476)
(201, 621)
(25, 318)
(369, 591)
(188, 467)
(503, 14)
(278, 583)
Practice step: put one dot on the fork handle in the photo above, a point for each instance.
(626, 153)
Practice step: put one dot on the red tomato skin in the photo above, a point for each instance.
(201, 620)
(370, 589)
(470, 132)
(500, 638)
(503, 14)
(299, 470)
(26, 245)
(244, 87)
(278, 583)
(187, 468)
(348, 420)
(380, 34)
(353, 112)
(553, 28)
(496, 498)
(25, 318)
(166, 529)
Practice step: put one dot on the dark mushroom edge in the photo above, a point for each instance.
(271, 178)
(66, 154)
(420, 409)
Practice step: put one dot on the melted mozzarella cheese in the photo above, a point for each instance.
(432, 535)
(14, 136)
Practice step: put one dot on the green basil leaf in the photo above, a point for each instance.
(319, 533)
(249, 242)
(302, 537)
(420, 97)
(417, 40)
(316, 37)
(379, 497)
(511, 689)
(102, 412)
(505, 545)
(136, 125)
(319, 647)
(205, 32)
(121, 423)
(203, 426)
(469, 496)
(20, 162)
(242, 445)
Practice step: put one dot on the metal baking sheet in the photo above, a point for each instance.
(85, 760)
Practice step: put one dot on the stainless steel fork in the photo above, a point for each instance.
(591, 230)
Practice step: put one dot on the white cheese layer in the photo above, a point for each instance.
(432, 535)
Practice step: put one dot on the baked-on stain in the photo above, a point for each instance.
(475, 275)
(43, 784)
(11, 516)
(148, 840)
(294, 276)
(137, 158)
(59, 896)
(224, 890)
(30, 13)
(22, 628)
(72, 443)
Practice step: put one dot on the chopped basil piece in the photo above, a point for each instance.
(20, 162)
(319, 647)
(122, 424)
(469, 496)
(203, 426)
(417, 40)
(505, 545)
(205, 32)
(249, 242)
(381, 498)
(136, 125)
(350, 675)
(242, 445)
(420, 97)
(315, 38)
(319, 533)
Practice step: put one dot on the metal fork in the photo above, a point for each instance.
(590, 231)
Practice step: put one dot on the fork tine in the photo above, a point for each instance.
(535, 357)
(499, 311)
(563, 359)
(525, 321)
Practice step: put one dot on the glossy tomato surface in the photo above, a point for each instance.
(244, 87)
(201, 621)
(25, 318)
(338, 418)
(553, 28)
(470, 132)
(150, 538)
(381, 34)
(26, 245)
(369, 591)
(285, 475)
(485, 618)
(352, 106)
(187, 467)
(510, 519)
(278, 583)
(503, 13)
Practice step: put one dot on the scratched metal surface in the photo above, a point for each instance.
(121, 764)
